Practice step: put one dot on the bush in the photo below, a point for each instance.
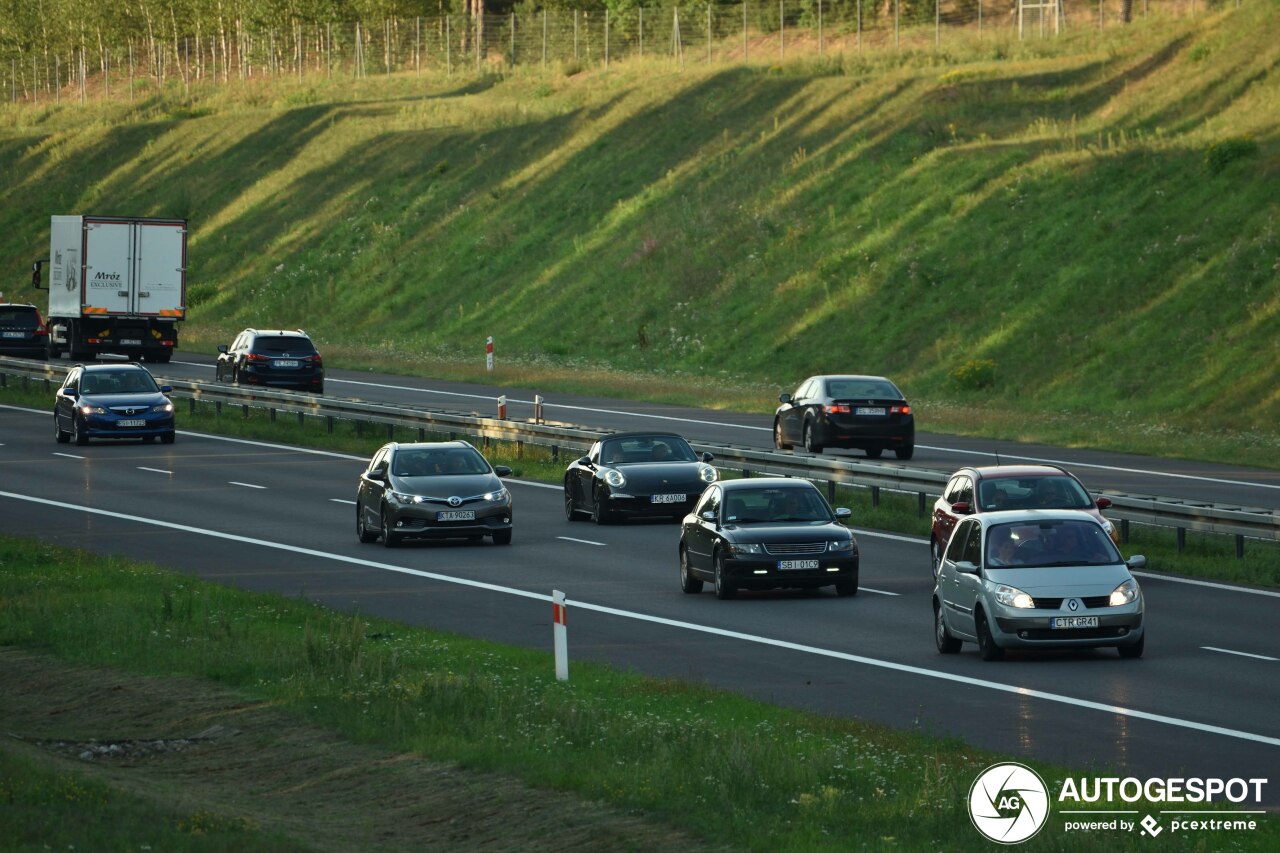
(975, 374)
(1224, 151)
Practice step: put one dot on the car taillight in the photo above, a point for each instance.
(837, 409)
(899, 410)
(41, 328)
(253, 356)
(316, 360)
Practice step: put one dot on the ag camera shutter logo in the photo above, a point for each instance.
(1008, 803)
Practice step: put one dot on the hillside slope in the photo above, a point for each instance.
(1096, 215)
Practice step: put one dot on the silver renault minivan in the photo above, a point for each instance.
(1036, 579)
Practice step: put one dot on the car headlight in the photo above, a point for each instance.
(1126, 593)
(401, 497)
(499, 495)
(92, 410)
(614, 478)
(1011, 596)
(840, 546)
(745, 548)
(166, 407)
(707, 474)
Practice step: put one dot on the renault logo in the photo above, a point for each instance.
(1073, 605)
(455, 501)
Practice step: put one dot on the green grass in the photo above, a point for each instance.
(1206, 556)
(747, 775)
(1091, 214)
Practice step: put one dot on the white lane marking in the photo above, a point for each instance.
(67, 455)
(342, 501)
(1242, 654)
(246, 485)
(877, 591)
(1210, 584)
(674, 623)
(583, 541)
(894, 536)
(154, 470)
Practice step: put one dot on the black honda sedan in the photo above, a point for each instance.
(864, 412)
(432, 490)
(767, 533)
(636, 474)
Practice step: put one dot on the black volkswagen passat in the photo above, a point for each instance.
(636, 474)
(864, 412)
(432, 490)
(766, 533)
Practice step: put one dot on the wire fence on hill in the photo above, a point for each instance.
(562, 40)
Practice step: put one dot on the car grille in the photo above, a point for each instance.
(129, 410)
(782, 549)
(1089, 602)
(1073, 634)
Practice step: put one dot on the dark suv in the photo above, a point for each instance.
(273, 358)
(1002, 487)
(23, 331)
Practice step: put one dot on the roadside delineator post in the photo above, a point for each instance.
(560, 634)
(537, 408)
(502, 407)
(488, 354)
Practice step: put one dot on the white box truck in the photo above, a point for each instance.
(116, 285)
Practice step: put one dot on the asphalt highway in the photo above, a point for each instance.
(1200, 703)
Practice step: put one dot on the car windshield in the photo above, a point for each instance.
(1049, 543)
(1054, 491)
(283, 346)
(758, 506)
(646, 448)
(118, 382)
(852, 389)
(438, 462)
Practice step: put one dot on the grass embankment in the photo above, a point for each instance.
(1087, 222)
(685, 762)
(1204, 556)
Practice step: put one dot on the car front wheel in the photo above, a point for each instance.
(363, 533)
(986, 643)
(947, 644)
(599, 512)
(935, 555)
(502, 537)
(847, 587)
(724, 587)
(78, 433)
(688, 583)
(59, 434)
(1133, 650)
(389, 538)
(905, 453)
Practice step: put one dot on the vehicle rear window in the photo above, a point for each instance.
(283, 346)
(20, 318)
(838, 389)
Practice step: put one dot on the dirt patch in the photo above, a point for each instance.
(189, 745)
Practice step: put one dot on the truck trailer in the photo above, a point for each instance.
(116, 285)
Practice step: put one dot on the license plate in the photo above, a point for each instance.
(131, 423)
(286, 362)
(456, 515)
(792, 565)
(667, 499)
(869, 410)
(15, 334)
(130, 342)
(1067, 622)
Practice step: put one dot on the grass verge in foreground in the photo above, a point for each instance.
(1205, 556)
(741, 773)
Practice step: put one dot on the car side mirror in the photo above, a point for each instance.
(961, 508)
(222, 348)
(1137, 561)
(964, 567)
(709, 516)
(69, 392)
(1103, 503)
(707, 456)
(502, 470)
(166, 389)
(379, 474)
(843, 513)
(784, 398)
(584, 461)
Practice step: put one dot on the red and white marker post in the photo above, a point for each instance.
(537, 408)
(502, 407)
(560, 634)
(488, 354)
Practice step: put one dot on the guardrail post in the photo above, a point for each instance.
(875, 496)
(391, 431)
(217, 408)
(746, 473)
(831, 492)
(4, 380)
(272, 413)
(1124, 531)
(1239, 546)
(245, 410)
(519, 449)
(328, 424)
(422, 434)
(555, 453)
(301, 418)
(920, 504)
(1182, 539)
(191, 408)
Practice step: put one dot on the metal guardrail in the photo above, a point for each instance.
(1180, 514)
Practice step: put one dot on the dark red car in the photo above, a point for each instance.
(1000, 487)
